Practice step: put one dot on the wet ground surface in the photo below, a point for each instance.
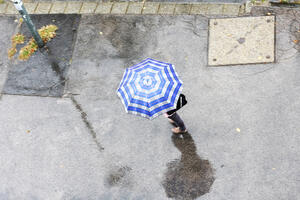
(44, 73)
(7, 29)
(242, 121)
(190, 176)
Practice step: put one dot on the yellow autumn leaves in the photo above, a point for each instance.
(15, 40)
(46, 32)
(28, 50)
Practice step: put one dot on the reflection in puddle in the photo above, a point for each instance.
(188, 177)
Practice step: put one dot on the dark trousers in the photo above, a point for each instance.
(178, 121)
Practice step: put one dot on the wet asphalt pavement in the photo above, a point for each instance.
(84, 146)
(45, 73)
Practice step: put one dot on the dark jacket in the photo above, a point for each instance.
(180, 103)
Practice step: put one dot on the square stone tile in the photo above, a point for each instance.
(215, 9)
(58, 7)
(73, 7)
(150, 8)
(231, 9)
(30, 7)
(104, 8)
(241, 40)
(166, 8)
(2, 8)
(135, 8)
(119, 8)
(88, 7)
(43, 8)
(199, 9)
(182, 9)
(10, 9)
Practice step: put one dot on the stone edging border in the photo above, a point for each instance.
(129, 8)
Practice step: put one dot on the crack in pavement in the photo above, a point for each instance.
(86, 122)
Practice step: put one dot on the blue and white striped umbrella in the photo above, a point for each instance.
(150, 88)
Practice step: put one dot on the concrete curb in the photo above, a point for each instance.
(127, 8)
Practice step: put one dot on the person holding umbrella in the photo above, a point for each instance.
(152, 88)
(175, 119)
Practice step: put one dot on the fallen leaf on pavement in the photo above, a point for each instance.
(296, 41)
(238, 130)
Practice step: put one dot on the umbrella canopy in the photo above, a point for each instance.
(150, 88)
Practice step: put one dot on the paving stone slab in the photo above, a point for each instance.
(45, 150)
(231, 9)
(135, 8)
(215, 9)
(241, 40)
(166, 8)
(44, 73)
(2, 7)
(58, 7)
(88, 7)
(43, 8)
(199, 9)
(73, 7)
(181, 9)
(119, 8)
(104, 8)
(30, 7)
(150, 8)
(262, 102)
(10, 9)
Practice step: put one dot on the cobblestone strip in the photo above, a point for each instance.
(150, 8)
(43, 8)
(58, 7)
(121, 8)
(3, 8)
(135, 8)
(31, 7)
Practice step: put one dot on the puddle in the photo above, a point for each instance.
(190, 176)
(118, 176)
